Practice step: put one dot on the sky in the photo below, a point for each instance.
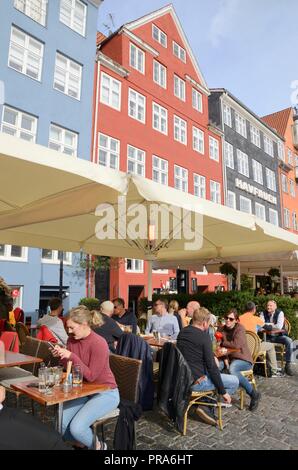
(246, 46)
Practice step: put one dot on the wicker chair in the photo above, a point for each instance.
(254, 344)
(127, 375)
(22, 332)
(196, 399)
(281, 350)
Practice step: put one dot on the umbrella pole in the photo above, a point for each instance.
(149, 285)
(238, 276)
(281, 280)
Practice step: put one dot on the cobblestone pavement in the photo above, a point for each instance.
(273, 426)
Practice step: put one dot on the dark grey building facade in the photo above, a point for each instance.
(251, 152)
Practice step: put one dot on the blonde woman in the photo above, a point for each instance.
(88, 350)
(105, 326)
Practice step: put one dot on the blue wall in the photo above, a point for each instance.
(49, 105)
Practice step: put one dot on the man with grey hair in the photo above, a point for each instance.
(109, 328)
(187, 313)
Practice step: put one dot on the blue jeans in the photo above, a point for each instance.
(236, 366)
(286, 341)
(80, 414)
(230, 382)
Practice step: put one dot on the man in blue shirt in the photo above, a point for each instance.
(162, 321)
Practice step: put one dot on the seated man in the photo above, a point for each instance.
(276, 318)
(53, 322)
(196, 347)
(105, 326)
(187, 313)
(122, 316)
(163, 322)
(251, 323)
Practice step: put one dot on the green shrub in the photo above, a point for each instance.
(90, 302)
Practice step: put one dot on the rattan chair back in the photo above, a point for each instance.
(254, 344)
(127, 375)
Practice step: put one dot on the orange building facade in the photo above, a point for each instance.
(151, 118)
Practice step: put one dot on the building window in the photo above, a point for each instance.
(109, 151)
(179, 52)
(159, 118)
(19, 124)
(231, 199)
(63, 140)
(179, 88)
(25, 54)
(284, 183)
(73, 14)
(35, 9)
(270, 178)
(137, 58)
(227, 115)
(290, 157)
(136, 106)
(281, 151)
(197, 100)
(194, 284)
(240, 125)
(134, 265)
(287, 222)
(294, 219)
(159, 35)
(242, 163)
(229, 155)
(13, 253)
(54, 256)
(135, 161)
(268, 146)
(198, 140)
(215, 192)
(213, 149)
(245, 204)
(255, 136)
(260, 211)
(257, 171)
(110, 91)
(273, 217)
(199, 183)
(159, 74)
(181, 178)
(180, 130)
(159, 170)
(68, 76)
(292, 188)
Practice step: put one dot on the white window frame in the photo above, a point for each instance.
(8, 257)
(180, 130)
(179, 52)
(140, 106)
(139, 63)
(292, 186)
(257, 171)
(159, 170)
(229, 155)
(55, 258)
(231, 199)
(198, 140)
(24, 50)
(227, 115)
(36, 13)
(159, 74)
(199, 184)
(294, 221)
(290, 157)
(215, 192)
(255, 136)
(160, 37)
(61, 143)
(270, 179)
(71, 22)
(109, 151)
(137, 158)
(273, 217)
(134, 263)
(68, 75)
(281, 151)
(113, 89)
(180, 178)
(268, 146)
(245, 200)
(260, 211)
(161, 114)
(179, 88)
(197, 100)
(242, 163)
(240, 123)
(287, 218)
(16, 129)
(284, 183)
(213, 149)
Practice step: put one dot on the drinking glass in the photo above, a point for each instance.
(77, 376)
(50, 380)
(58, 374)
(42, 380)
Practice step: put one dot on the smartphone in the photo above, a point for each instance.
(32, 385)
(52, 346)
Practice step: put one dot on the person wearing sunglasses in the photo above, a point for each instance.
(234, 337)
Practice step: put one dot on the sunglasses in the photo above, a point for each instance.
(230, 318)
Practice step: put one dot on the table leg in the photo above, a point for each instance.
(60, 417)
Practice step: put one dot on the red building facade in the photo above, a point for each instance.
(151, 118)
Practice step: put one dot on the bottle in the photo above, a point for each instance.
(2, 351)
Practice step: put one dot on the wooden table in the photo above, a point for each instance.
(157, 343)
(58, 397)
(219, 353)
(16, 359)
(273, 332)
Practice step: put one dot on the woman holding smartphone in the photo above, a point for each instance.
(88, 350)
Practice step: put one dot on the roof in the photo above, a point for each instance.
(278, 120)
(100, 37)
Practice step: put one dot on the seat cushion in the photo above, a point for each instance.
(8, 383)
(13, 373)
(112, 414)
